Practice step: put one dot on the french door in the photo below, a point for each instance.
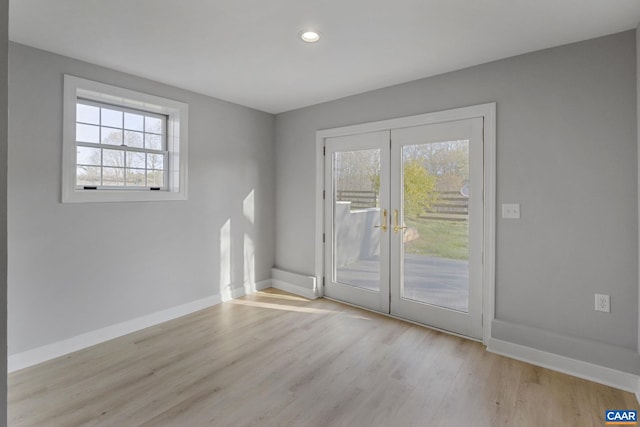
(404, 223)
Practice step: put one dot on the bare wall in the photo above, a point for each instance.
(4, 40)
(566, 150)
(75, 268)
(638, 145)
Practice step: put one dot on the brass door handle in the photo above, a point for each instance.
(383, 226)
(396, 225)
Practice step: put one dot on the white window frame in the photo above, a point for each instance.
(124, 148)
(176, 141)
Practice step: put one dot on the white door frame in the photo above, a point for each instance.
(488, 113)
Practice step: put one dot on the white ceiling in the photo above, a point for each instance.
(247, 51)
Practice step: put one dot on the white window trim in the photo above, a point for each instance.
(177, 141)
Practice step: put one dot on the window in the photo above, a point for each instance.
(122, 145)
(119, 148)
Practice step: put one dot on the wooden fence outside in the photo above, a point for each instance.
(359, 199)
(451, 206)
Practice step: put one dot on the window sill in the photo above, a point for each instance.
(83, 196)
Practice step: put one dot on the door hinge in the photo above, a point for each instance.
(324, 150)
(323, 237)
(324, 194)
(323, 281)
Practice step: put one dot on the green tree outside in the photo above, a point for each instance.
(420, 191)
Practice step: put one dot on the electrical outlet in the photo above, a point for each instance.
(602, 303)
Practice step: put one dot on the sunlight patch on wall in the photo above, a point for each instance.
(248, 207)
(249, 257)
(225, 261)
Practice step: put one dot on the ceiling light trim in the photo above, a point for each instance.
(309, 36)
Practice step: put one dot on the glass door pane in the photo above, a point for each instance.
(357, 220)
(356, 211)
(437, 225)
(435, 243)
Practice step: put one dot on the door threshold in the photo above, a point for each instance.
(413, 322)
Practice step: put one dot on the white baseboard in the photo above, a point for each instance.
(293, 289)
(578, 368)
(249, 288)
(295, 283)
(50, 351)
(263, 285)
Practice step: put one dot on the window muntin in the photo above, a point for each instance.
(120, 148)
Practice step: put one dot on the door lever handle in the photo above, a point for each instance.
(383, 226)
(396, 225)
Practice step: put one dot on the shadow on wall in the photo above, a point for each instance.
(232, 286)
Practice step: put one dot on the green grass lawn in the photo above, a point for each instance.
(438, 238)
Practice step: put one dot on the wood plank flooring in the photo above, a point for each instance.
(274, 359)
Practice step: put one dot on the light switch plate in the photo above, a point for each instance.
(511, 210)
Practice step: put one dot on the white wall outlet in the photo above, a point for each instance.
(511, 210)
(602, 303)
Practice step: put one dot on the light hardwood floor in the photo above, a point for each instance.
(274, 359)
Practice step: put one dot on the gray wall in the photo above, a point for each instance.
(74, 268)
(566, 150)
(638, 145)
(4, 40)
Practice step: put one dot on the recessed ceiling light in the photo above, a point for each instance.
(309, 36)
